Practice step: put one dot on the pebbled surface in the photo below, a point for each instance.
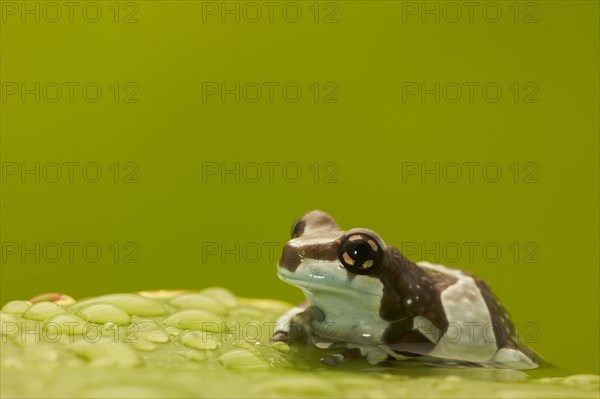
(211, 343)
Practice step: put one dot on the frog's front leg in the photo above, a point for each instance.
(301, 325)
(294, 325)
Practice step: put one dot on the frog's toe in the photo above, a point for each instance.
(280, 336)
(346, 355)
(332, 360)
(515, 359)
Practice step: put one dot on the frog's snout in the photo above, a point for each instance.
(290, 257)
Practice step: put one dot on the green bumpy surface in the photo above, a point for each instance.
(211, 343)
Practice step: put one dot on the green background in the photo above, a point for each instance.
(171, 215)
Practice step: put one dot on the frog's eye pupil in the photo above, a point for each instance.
(362, 251)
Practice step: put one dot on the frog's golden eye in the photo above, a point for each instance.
(298, 228)
(360, 253)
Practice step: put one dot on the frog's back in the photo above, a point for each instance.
(459, 318)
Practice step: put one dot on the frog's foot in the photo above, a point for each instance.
(348, 354)
(294, 325)
(280, 336)
(283, 325)
(515, 358)
(372, 354)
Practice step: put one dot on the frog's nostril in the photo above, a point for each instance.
(298, 228)
(290, 258)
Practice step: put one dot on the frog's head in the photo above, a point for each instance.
(322, 257)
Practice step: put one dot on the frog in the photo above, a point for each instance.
(366, 297)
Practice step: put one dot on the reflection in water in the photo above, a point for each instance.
(309, 358)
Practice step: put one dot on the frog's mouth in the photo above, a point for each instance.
(328, 276)
(314, 283)
(306, 276)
